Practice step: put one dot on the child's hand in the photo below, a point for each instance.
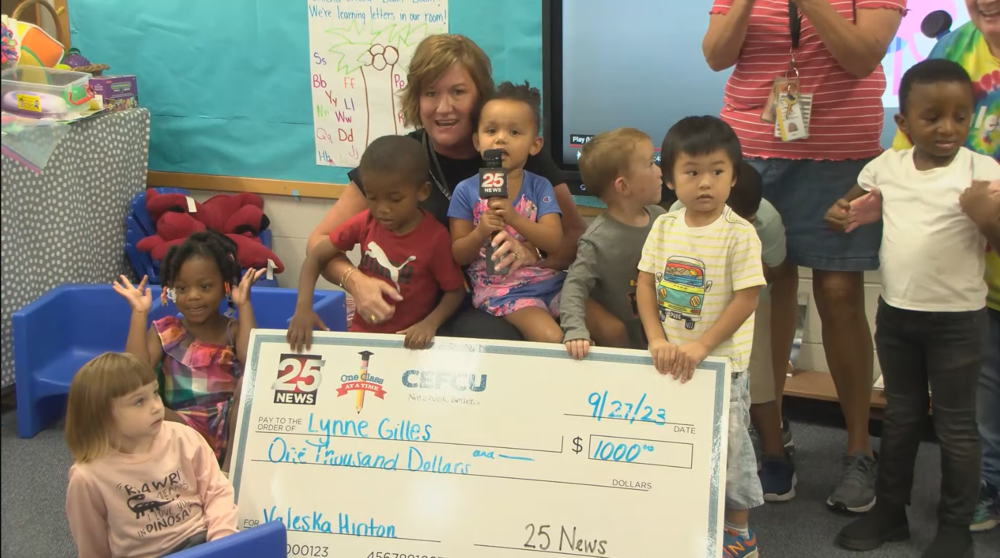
(241, 294)
(506, 211)
(864, 210)
(664, 354)
(418, 335)
(689, 356)
(836, 217)
(578, 348)
(300, 330)
(489, 223)
(981, 203)
(140, 298)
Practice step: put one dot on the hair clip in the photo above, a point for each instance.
(228, 292)
(163, 296)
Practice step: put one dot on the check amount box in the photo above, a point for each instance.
(641, 451)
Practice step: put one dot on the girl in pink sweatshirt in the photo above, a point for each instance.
(140, 487)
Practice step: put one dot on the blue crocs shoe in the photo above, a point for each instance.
(735, 545)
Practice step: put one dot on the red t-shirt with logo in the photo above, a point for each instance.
(418, 264)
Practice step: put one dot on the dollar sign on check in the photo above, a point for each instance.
(577, 446)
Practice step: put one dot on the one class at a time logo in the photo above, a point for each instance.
(361, 382)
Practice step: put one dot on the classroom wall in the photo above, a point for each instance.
(228, 83)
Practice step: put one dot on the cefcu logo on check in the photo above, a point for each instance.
(361, 382)
(299, 377)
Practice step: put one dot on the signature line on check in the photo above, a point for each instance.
(362, 536)
(537, 550)
(463, 475)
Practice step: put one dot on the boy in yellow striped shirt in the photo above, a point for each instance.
(700, 277)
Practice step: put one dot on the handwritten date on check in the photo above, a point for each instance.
(364, 449)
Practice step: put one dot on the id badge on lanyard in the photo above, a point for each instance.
(787, 106)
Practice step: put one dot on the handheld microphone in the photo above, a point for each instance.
(492, 184)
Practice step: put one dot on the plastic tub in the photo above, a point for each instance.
(44, 92)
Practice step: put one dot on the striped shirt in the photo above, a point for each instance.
(847, 113)
(697, 270)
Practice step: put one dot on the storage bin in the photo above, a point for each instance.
(45, 92)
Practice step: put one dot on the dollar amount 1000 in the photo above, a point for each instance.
(611, 451)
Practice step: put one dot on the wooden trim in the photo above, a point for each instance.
(266, 186)
(809, 384)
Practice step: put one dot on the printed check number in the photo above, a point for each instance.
(367, 450)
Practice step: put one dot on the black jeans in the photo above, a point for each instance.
(946, 349)
(472, 323)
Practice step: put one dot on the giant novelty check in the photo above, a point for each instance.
(479, 450)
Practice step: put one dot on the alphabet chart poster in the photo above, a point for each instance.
(359, 53)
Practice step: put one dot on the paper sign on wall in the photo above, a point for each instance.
(359, 52)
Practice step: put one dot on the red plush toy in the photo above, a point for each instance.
(238, 216)
(172, 228)
(254, 254)
(157, 204)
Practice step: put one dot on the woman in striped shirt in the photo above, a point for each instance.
(838, 46)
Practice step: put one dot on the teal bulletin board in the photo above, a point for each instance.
(227, 81)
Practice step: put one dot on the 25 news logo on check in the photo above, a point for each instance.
(299, 377)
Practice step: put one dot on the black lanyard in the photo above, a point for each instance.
(794, 23)
(437, 165)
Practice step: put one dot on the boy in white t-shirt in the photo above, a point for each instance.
(700, 278)
(931, 324)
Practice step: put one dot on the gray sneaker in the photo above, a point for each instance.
(856, 491)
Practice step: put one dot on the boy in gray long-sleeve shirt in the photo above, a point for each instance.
(598, 296)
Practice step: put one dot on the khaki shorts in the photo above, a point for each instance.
(761, 368)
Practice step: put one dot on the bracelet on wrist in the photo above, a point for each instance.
(346, 277)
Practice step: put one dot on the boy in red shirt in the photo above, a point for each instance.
(400, 243)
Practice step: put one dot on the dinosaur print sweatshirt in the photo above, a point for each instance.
(145, 505)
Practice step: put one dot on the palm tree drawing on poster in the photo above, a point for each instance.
(374, 54)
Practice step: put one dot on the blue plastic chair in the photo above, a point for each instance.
(273, 307)
(267, 540)
(66, 327)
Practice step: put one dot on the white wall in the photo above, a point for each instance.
(292, 221)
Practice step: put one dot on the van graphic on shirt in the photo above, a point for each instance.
(681, 289)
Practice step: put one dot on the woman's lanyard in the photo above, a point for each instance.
(437, 166)
(787, 106)
(794, 25)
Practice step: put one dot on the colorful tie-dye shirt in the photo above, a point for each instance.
(967, 46)
(529, 285)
